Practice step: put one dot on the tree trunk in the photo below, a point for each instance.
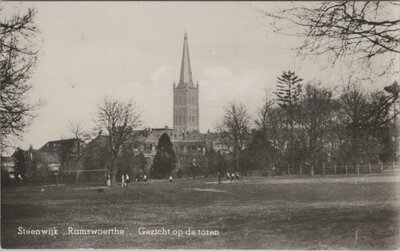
(77, 168)
(312, 167)
(113, 176)
(78, 161)
(77, 177)
(113, 171)
(237, 159)
(396, 137)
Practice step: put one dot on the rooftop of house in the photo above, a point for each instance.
(50, 146)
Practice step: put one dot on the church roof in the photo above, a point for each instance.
(185, 79)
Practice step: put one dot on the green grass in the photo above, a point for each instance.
(255, 213)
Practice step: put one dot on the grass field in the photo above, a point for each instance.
(254, 213)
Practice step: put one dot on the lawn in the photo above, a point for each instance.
(254, 213)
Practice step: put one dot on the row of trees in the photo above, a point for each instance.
(307, 123)
(85, 150)
(302, 125)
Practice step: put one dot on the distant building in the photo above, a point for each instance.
(56, 146)
(190, 147)
(55, 155)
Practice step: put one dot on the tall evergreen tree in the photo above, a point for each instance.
(165, 159)
(288, 89)
(288, 92)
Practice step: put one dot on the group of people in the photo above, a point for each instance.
(125, 180)
(231, 177)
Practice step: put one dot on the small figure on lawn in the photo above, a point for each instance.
(170, 179)
(237, 176)
(108, 180)
(145, 179)
(228, 177)
(232, 176)
(219, 177)
(127, 180)
(122, 180)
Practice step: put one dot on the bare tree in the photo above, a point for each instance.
(81, 137)
(363, 116)
(269, 135)
(344, 30)
(119, 119)
(316, 114)
(262, 120)
(18, 56)
(234, 129)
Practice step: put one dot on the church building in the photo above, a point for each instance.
(186, 96)
(189, 143)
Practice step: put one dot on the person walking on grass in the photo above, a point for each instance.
(127, 180)
(219, 177)
(228, 177)
(145, 179)
(232, 176)
(170, 179)
(237, 176)
(122, 180)
(108, 180)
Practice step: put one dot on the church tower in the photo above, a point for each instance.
(186, 96)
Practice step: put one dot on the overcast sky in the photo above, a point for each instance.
(133, 50)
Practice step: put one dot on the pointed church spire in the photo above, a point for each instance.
(186, 70)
